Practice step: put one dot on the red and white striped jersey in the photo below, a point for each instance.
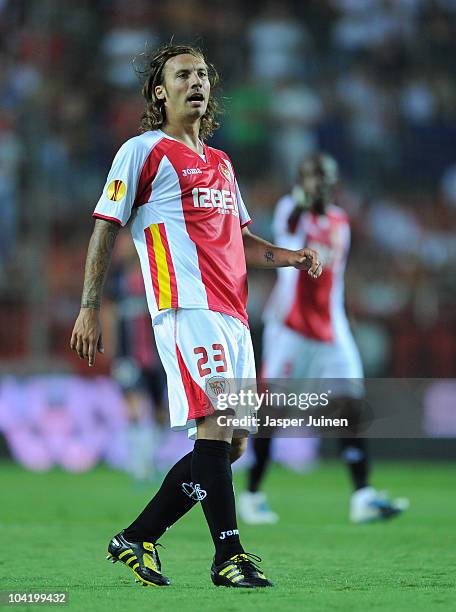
(186, 215)
(312, 307)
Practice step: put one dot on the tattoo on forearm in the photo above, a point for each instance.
(87, 303)
(97, 263)
(269, 256)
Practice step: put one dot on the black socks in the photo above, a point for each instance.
(175, 498)
(202, 475)
(211, 475)
(262, 454)
(354, 453)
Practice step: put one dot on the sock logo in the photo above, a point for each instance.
(230, 532)
(194, 491)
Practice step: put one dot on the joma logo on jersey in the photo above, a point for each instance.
(223, 200)
(189, 171)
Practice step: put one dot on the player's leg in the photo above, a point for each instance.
(154, 380)
(366, 503)
(340, 363)
(128, 374)
(135, 546)
(343, 365)
(253, 505)
(354, 450)
(261, 448)
(211, 468)
(180, 491)
(213, 481)
(211, 474)
(175, 498)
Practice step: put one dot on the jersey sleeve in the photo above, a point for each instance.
(346, 237)
(119, 192)
(244, 216)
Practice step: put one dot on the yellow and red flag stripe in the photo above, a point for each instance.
(161, 266)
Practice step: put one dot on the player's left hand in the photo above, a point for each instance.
(307, 259)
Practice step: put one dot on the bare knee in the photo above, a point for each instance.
(238, 448)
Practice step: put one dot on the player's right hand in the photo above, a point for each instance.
(86, 338)
(307, 259)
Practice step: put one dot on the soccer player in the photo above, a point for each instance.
(189, 224)
(307, 334)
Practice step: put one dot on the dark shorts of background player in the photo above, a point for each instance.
(132, 377)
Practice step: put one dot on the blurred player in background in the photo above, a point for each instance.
(307, 335)
(189, 225)
(136, 365)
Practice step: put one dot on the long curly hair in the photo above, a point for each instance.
(154, 116)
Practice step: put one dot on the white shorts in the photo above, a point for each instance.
(203, 353)
(289, 355)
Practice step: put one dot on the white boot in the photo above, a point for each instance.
(254, 509)
(367, 505)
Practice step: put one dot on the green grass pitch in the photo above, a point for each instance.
(55, 528)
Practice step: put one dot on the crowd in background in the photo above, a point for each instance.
(373, 82)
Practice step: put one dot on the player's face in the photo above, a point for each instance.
(317, 182)
(186, 87)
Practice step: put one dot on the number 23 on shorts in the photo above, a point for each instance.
(218, 355)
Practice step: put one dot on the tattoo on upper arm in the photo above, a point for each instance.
(269, 256)
(97, 262)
